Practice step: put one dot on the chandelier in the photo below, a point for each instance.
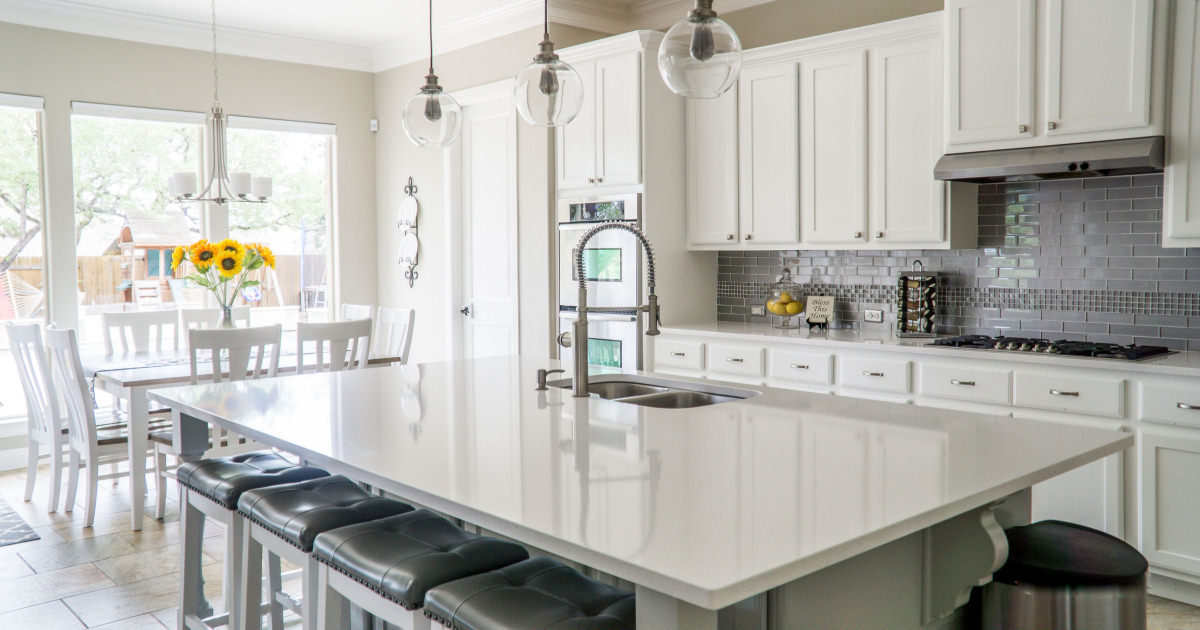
(223, 186)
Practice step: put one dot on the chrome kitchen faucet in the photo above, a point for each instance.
(580, 337)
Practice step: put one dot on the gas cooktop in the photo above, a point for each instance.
(1060, 347)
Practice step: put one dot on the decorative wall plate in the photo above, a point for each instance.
(408, 249)
(408, 212)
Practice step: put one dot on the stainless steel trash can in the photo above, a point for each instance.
(1063, 576)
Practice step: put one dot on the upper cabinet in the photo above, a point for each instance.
(769, 168)
(1181, 202)
(602, 146)
(1099, 62)
(712, 171)
(833, 147)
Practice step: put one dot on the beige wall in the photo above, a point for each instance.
(64, 67)
(397, 160)
(785, 20)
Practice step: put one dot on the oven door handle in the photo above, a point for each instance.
(599, 317)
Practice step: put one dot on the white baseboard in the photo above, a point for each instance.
(1174, 588)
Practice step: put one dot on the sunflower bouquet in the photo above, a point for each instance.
(223, 267)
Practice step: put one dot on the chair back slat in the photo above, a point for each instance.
(236, 346)
(69, 380)
(145, 329)
(348, 344)
(394, 331)
(25, 342)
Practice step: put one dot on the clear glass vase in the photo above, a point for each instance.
(227, 317)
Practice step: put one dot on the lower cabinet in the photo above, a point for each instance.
(1170, 501)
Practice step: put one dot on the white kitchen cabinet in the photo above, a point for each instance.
(787, 367)
(966, 382)
(602, 145)
(712, 170)
(1181, 203)
(989, 71)
(874, 374)
(678, 354)
(833, 147)
(768, 145)
(1070, 392)
(736, 362)
(1174, 402)
(1170, 505)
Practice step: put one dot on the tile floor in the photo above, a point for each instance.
(111, 578)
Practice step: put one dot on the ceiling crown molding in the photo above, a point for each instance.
(661, 14)
(78, 17)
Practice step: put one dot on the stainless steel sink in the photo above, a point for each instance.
(661, 393)
(678, 399)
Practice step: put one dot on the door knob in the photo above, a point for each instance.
(466, 310)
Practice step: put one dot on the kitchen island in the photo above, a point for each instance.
(782, 508)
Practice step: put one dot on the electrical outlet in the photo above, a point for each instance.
(758, 310)
(873, 315)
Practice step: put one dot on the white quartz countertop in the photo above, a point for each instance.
(881, 338)
(709, 505)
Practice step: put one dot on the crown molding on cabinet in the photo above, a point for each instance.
(882, 33)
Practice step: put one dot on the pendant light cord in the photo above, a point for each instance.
(430, 36)
(546, 20)
(214, 55)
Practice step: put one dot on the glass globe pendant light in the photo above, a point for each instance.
(701, 56)
(549, 92)
(431, 117)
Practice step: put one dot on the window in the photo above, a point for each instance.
(295, 222)
(22, 237)
(124, 219)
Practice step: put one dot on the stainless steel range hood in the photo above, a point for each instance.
(1085, 159)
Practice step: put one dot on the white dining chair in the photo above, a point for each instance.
(46, 426)
(206, 318)
(90, 446)
(140, 331)
(394, 331)
(357, 311)
(346, 343)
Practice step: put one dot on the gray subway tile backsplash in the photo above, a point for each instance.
(1075, 259)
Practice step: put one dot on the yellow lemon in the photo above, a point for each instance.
(785, 297)
(778, 308)
(794, 308)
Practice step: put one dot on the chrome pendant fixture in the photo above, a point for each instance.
(549, 92)
(432, 118)
(222, 187)
(701, 56)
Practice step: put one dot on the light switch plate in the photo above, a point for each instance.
(871, 315)
(758, 310)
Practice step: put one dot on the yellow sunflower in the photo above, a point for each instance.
(177, 256)
(265, 252)
(202, 253)
(231, 245)
(229, 261)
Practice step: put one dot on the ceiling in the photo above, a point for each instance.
(368, 35)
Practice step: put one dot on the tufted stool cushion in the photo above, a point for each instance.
(224, 479)
(537, 594)
(298, 512)
(401, 557)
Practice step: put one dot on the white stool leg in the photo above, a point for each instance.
(310, 581)
(234, 571)
(275, 586)
(332, 610)
(191, 526)
(160, 482)
(250, 593)
(31, 466)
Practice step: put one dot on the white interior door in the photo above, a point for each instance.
(487, 177)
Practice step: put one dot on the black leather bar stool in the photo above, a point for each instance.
(386, 566)
(210, 489)
(286, 520)
(533, 594)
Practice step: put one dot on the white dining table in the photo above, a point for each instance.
(130, 375)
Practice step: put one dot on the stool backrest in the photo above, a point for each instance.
(41, 403)
(71, 383)
(144, 329)
(206, 318)
(243, 350)
(348, 344)
(394, 331)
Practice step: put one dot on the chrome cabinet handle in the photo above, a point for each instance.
(730, 237)
(867, 373)
(955, 381)
(734, 360)
(1022, 128)
(1051, 125)
(679, 354)
(1187, 406)
(1056, 392)
(799, 366)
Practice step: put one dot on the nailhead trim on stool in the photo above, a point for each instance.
(402, 557)
(223, 480)
(536, 594)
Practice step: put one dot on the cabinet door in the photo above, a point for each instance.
(1181, 209)
(712, 166)
(1170, 504)
(769, 169)
(838, 503)
(907, 203)
(577, 140)
(833, 148)
(1097, 65)
(619, 120)
(989, 79)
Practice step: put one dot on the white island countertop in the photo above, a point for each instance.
(708, 505)
(881, 338)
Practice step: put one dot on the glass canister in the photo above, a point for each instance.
(784, 300)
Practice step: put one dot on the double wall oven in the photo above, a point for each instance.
(613, 266)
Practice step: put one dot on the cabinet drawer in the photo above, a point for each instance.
(735, 360)
(1074, 394)
(679, 353)
(810, 368)
(1171, 403)
(872, 374)
(945, 380)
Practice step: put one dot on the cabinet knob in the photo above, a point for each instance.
(735, 360)
(1022, 128)
(858, 235)
(955, 381)
(1051, 125)
(729, 237)
(591, 180)
(879, 235)
(749, 237)
(599, 180)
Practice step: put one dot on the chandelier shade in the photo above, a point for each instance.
(701, 55)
